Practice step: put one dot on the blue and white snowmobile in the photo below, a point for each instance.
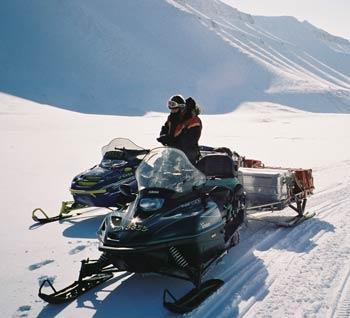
(99, 186)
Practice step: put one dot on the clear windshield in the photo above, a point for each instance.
(168, 168)
(120, 144)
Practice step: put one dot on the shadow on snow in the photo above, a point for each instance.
(244, 273)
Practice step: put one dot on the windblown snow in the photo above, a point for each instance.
(299, 272)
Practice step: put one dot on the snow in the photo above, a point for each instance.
(127, 57)
(299, 272)
(258, 79)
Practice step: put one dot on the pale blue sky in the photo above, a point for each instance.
(332, 16)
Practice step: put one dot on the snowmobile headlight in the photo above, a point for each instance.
(151, 204)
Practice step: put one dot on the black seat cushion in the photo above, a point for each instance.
(218, 165)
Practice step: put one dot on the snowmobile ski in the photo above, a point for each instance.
(193, 298)
(74, 290)
(65, 212)
(68, 210)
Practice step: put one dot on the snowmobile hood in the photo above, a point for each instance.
(183, 223)
(98, 176)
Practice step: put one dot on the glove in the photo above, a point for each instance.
(191, 103)
(163, 139)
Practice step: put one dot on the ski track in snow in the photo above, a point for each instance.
(278, 272)
(254, 286)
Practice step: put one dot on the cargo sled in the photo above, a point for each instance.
(274, 189)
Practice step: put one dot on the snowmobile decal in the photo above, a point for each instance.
(132, 227)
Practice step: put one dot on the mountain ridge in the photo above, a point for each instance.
(127, 58)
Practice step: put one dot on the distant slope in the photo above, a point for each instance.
(310, 68)
(128, 57)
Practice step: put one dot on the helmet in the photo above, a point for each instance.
(176, 101)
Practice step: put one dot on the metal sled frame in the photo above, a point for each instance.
(296, 202)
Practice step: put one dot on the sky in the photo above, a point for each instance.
(331, 16)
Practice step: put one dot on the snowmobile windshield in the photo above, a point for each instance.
(120, 144)
(168, 168)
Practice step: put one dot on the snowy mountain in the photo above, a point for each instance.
(128, 57)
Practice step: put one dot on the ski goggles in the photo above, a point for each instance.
(174, 105)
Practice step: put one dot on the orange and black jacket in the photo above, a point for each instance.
(183, 134)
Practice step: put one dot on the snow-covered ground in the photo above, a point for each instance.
(299, 272)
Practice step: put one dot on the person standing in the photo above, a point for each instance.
(183, 127)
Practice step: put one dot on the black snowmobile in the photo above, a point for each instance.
(99, 185)
(183, 219)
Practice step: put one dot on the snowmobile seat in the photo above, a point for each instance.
(217, 165)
